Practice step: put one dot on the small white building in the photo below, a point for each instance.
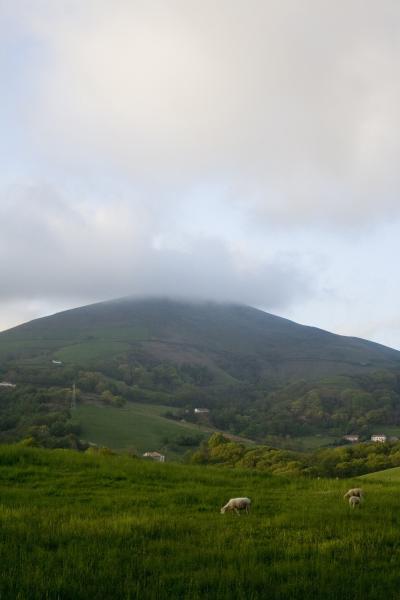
(201, 411)
(7, 384)
(379, 437)
(57, 362)
(352, 438)
(155, 456)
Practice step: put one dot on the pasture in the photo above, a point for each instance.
(388, 475)
(136, 426)
(77, 526)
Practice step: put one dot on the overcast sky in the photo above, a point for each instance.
(243, 150)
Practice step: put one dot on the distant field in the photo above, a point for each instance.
(137, 426)
(91, 351)
(305, 443)
(312, 442)
(387, 430)
(386, 475)
(76, 527)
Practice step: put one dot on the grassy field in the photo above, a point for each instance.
(75, 526)
(387, 475)
(139, 427)
(301, 444)
(87, 352)
(387, 430)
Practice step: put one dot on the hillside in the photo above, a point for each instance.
(387, 475)
(137, 428)
(238, 341)
(259, 376)
(91, 526)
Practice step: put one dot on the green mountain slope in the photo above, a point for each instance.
(259, 375)
(240, 341)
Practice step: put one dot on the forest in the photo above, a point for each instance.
(39, 407)
(342, 462)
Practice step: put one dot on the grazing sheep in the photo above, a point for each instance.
(358, 492)
(237, 504)
(355, 501)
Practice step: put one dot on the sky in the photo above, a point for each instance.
(235, 150)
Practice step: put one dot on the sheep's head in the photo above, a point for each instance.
(223, 509)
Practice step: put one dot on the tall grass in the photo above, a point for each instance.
(80, 527)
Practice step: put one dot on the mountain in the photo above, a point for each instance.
(233, 340)
(254, 374)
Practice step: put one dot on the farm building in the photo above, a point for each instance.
(379, 437)
(201, 411)
(7, 384)
(352, 438)
(155, 456)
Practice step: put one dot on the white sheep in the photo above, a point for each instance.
(355, 501)
(237, 504)
(357, 492)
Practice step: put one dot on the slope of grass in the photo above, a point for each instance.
(87, 352)
(136, 426)
(78, 526)
(300, 444)
(217, 334)
(388, 475)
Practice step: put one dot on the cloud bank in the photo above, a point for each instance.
(89, 251)
(291, 104)
(225, 149)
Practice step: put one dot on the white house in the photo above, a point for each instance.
(155, 456)
(7, 384)
(57, 362)
(201, 411)
(351, 438)
(379, 437)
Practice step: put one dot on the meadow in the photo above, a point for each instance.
(136, 426)
(78, 526)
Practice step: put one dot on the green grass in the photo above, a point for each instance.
(301, 444)
(91, 351)
(220, 336)
(136, 426)
(387, 430)
(385, 475)
(79, 526)
(312, 442)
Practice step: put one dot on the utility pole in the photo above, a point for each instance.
(73, 398)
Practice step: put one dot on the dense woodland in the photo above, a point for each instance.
(347, 461)
(39, 408)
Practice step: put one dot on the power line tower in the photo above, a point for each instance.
(73, 397)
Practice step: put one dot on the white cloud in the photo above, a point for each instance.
(294, 105)
(52, 248)
(231, 149)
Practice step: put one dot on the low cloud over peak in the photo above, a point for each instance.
(104, 251)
